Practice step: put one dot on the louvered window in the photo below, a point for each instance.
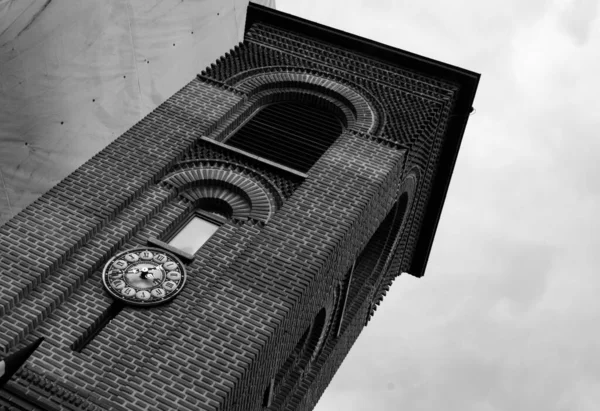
(293, 134)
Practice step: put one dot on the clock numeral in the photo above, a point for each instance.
(128, 291)
(146, 255)
(174, 275)
(132, 257)
(142, 295)
(158, 292)
(170, 266)
(160, 258)
(118, 284)
(169, 285)
(120, 264)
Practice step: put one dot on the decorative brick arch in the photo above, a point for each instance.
(246, 197)
(369, 116)
(407, 188)
(321, 336)
(301, 365)
(295, 92)
(388, 264)
(373, 266)
(411, 184)
(400, 213)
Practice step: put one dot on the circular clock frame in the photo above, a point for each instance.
(144, 276)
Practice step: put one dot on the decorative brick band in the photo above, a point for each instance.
(206, 151)
(219, 84)
(344, 60)
(247, 197)
(380, 139)
(52, 394)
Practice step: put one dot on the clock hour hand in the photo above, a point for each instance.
(146, 274)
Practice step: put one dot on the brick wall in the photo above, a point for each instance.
(247, 313)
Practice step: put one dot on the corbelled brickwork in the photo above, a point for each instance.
(277, 296)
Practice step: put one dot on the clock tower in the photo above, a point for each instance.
(227, 250)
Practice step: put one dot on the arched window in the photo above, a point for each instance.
(292, 133)
(298, 363)
(369, 266)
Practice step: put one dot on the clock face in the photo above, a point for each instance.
(144, 276)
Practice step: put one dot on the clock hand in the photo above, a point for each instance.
(132, 271)
(146, 274)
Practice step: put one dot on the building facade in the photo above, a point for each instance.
(227, 250)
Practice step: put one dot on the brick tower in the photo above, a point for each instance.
(227, 250)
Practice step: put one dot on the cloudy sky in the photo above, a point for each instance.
(507, 314)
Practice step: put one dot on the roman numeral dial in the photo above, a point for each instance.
(144, 276)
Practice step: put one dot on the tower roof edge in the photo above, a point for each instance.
(465, 81)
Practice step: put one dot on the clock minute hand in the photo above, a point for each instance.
(132, 270)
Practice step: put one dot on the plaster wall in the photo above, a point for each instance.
(76, 75)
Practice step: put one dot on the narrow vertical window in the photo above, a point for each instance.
(193, 235)
(194, 232)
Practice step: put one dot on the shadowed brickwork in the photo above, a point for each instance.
(277, 296)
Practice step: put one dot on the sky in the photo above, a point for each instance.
(506, 317)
